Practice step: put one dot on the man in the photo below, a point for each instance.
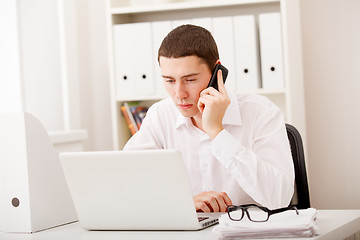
(235, 148)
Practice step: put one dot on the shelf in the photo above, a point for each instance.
(184, 6)
(289, 98)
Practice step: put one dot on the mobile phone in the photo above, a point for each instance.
(213, 80)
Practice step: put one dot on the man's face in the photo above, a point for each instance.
(184, 78)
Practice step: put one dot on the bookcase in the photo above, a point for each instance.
(289, 97)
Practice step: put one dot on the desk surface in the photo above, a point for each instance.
(333, 224)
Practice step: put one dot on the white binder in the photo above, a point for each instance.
(159, 31)
(246, 53)
(224, 37)
(133, 60)
(33, 192)
(179, 22)
(205, 22)
(271, 51)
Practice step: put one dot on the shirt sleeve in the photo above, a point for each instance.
(265, 172)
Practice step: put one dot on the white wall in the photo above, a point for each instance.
(30, 60)
(10, 74)
(53, 65)
(331, 55)
(87, 69)
(99, 71)
(93, 73)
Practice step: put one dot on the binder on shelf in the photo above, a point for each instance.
(33, 192)
(205, 22)
(133, 59)
(271, 51)
(246, 53)
(159, 30)
(224, 37)
(177, 23)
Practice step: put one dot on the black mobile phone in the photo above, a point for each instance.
(213, 80)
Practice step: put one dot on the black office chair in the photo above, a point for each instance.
(301, 198)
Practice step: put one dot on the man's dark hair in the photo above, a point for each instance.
(189, 40)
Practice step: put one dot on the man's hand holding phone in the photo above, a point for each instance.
(213, 104)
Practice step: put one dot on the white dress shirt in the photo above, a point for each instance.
(250, 159)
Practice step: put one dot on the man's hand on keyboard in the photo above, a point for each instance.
(211, 201)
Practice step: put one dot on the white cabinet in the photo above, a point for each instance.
(289, 96)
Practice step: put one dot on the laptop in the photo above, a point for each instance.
(132, 190)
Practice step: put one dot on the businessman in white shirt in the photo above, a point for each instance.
(235, 147)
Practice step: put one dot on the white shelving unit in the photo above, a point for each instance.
(290, 98)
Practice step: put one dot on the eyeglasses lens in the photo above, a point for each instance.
(256, 214)
(236, 214)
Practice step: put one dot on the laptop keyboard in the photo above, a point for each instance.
(202, 218)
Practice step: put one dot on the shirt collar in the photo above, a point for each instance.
(181, 120)
(232, 115)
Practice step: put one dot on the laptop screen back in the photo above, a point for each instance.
(132, 190)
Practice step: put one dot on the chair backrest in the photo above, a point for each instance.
(301, 198)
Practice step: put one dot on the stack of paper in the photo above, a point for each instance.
(280, 225)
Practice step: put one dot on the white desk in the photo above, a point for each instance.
(333, 224)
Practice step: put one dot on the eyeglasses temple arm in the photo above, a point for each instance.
(284, 209)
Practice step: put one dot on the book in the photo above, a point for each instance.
(126, 105)
(142, 112)
(134, 115)
(139, 113)
(128, 120)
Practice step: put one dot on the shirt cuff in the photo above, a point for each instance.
(224, 147)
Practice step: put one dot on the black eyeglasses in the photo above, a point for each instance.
(254, 212)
